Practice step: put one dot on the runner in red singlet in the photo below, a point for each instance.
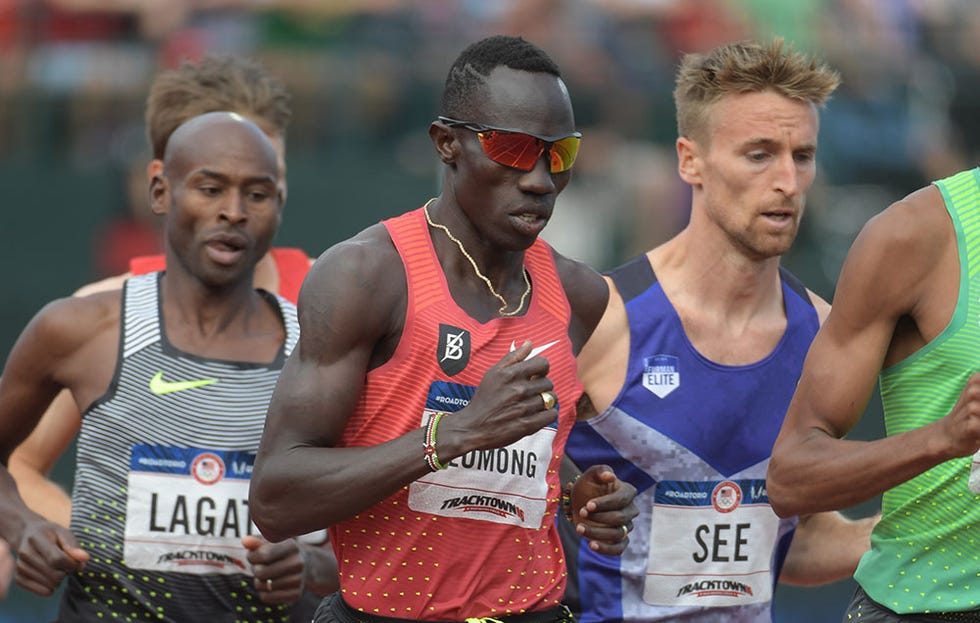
(424, 413)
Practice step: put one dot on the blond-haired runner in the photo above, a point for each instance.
(697, 355)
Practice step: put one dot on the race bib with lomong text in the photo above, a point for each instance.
(502, 485)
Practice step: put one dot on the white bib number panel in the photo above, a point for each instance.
(711, 544)
(503, 485)
(187, 510)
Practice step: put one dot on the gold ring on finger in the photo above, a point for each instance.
(626, 532)
(549, 400)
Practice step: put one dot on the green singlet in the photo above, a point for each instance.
(925, 554)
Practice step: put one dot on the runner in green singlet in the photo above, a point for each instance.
(907, 310)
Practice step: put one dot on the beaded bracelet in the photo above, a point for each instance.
(566, 499)
(429, 445)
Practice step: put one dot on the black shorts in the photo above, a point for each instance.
(863, 609)
(334, 609)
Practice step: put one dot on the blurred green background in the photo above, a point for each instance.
(366, 76)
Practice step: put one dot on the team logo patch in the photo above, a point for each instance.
(726, 496)
(207, 468)
(454, 349)
(661, 374)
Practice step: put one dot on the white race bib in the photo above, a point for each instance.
(711, 544)
(504, 485)
(187, 510)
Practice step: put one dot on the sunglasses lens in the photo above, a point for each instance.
(521, 151)
(563, 153)
(511, 149)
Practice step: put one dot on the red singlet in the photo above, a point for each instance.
(477, 539)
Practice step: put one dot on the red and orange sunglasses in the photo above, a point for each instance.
(521, 150)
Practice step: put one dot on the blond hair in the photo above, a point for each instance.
(746, 67)
(214, 84)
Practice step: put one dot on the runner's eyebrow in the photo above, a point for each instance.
(223, 177)
(769, 142)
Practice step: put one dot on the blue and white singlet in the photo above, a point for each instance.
(694, 437)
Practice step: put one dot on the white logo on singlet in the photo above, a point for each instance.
(454, 346)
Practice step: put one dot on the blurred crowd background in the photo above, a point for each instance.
(366, 76)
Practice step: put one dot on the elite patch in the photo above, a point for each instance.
(661, 374)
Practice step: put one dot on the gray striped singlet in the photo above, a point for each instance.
(160, 498)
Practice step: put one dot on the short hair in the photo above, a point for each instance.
(473, 66)
(215, 83)
(746, 67)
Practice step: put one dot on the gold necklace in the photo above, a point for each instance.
(493, 291)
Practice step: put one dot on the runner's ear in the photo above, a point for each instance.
(159, 194)
(445, 142)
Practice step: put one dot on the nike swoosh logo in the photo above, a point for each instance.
(534, 351)
(160, 387)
